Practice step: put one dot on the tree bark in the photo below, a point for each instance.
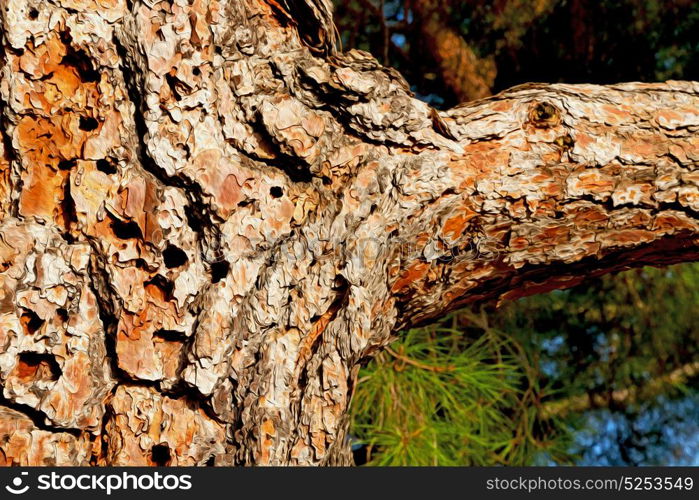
(209, 218)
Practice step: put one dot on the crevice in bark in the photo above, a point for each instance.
(78, 59)
(68, 211)
(99, 457)
(325, 95)
(9, 151)
(190, 395)
(200, 215)
(108, 308)
(125, 229)
(294, 169)
(655, 208)
(37, 417)
(170, 335)
(200, 208)
(165, 285)
(314, 340)
(313, 21)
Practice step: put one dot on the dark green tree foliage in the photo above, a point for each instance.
(592, 41)
(605, 41)
(604, 373)
(621, 356)
(613, 333)
(520, 385)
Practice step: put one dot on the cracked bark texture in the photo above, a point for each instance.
(209, 217)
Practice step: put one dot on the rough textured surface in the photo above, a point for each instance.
(22, 443)
(209, 217)
(175, 431)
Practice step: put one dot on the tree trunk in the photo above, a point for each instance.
(466, 75)
(209, 218)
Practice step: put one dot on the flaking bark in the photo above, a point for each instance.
(209, 218)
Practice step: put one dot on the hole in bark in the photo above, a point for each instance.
(106, 166)
(162, 284)
(276, 192)
(174, 257)
(341, 285)
(30, 321)
(160, 455)
(327, 181)
(80, 61)
(88, 124)
(219, 270)
(62, 314)
(544, 115)
(126, 229)
(67, 164)
(196, 71)
(565, 141)
(66, 37)
(172, 82)
(33, 14)
(177, 86)
(169, 335)
(211, 461)
(37, 366)
(140, 263)
(306, 21)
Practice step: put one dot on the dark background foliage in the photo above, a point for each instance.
(574, 41)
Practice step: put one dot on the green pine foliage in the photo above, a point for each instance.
(440, 397)
(479, 387)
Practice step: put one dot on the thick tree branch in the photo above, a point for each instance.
(555, 183)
